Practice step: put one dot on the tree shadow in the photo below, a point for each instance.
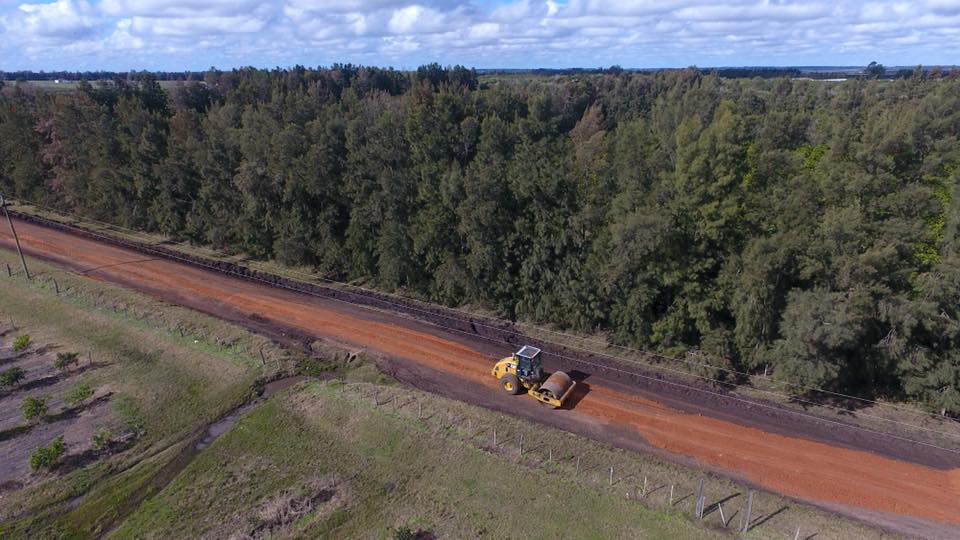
(72, 462)
(52, 379)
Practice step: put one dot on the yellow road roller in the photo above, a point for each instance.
(522, 371)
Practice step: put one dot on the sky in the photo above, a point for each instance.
(177, 35)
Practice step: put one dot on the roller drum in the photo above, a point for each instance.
(556, 385)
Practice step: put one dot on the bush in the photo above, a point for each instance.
(77, 394)
(65, 360)
(21, 342)
(404, 533)
(130, 415)
(34, 408)
(101, 439)
(47, 457)
(11, 377)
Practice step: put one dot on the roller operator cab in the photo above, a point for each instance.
(523, 371)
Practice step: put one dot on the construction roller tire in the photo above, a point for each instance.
(510, 384)
(556, 385)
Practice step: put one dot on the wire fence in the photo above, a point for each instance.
(715, 503)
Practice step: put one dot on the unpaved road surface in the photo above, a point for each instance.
(914, 487)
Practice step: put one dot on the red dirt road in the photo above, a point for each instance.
(792, 465)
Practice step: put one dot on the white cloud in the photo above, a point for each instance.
(63, 18)
(193, 34)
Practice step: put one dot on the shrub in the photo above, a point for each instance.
(404, 533)
(47, 457)
(21, 342)
(12, 377)
(34, 408)
(65, 360)
(77, 394)
(130, 415)
(100, 439)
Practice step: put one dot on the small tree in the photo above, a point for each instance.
(47, 457)
(404, 533)
(21, 342)
(874, 70)
(65, 360)
(78, 394)
(130, 415)
(11, 377)
(34, 408)
(101, 439)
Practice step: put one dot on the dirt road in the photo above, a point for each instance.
(816, 461)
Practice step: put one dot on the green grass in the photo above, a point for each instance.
(389, 471)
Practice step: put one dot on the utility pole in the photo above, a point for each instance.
(16, 239)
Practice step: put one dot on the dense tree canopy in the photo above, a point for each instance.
(806, 226)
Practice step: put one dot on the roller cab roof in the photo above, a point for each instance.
(528, 352)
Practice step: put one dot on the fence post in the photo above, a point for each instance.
(797, 535)
(698, 502)
(611, 476)
(420, 410)
(746, 519)
(644, 492)
(671, 494)
(521, 444)
(578, 466)
(494, 437)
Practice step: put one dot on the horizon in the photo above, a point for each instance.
(480, 69)
(186, 35)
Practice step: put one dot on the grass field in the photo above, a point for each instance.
(385, 472)
(361, 458)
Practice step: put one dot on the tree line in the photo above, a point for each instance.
(801, 226)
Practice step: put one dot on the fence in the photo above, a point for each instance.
(709, 500)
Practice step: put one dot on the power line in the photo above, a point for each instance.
(519, 334)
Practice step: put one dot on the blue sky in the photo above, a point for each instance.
(195, 34)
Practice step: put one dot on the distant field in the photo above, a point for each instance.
(63, 85)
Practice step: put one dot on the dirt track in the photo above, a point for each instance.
(800, 457)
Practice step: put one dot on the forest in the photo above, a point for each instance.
(806, 227)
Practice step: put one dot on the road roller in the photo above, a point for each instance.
(522, 371)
